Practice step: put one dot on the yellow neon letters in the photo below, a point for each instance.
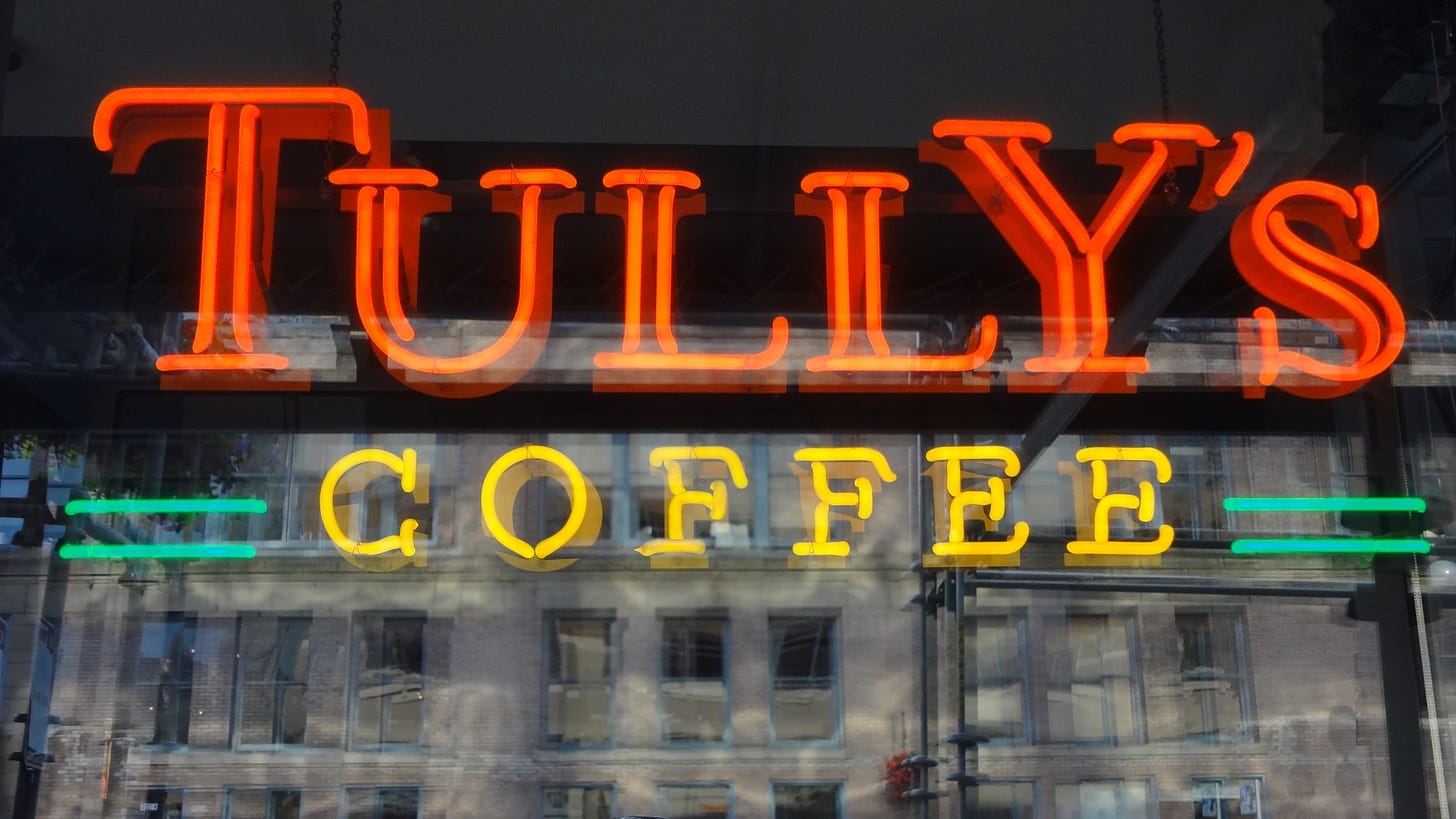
(350, 475)
(1143, 504)
(837, 484)
(992, 499)
(505, 479)
(715, 499)
(861, 498)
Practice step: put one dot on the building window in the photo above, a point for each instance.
(996, 676)
(806, 801)
(389, 686)
(1228, 798)
(1192, 502)
(694, 801)
(1105, 799)
(1092, 695)
(1214, 667)
(270, 803)
(1006, 800)
(158, 803)
(168, 650)
(805, 704)
(579, 680)
(395, 802)
(694, 688)
(272, 680)
(578, 802)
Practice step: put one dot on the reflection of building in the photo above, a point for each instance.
(299, 685)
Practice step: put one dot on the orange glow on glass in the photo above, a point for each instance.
(364, 276)
(244, 277)
(644, 176)
(1063, 297)
(1160, 131)
(113, 106)
(1243, 152)
(211, 226)
(214, 362)
(856, 206)
(650, 207)
(1325, 286)
(347, 177)
(854, 179)
(524, 176)
(1067, 256)
(632, 317)
(991, 129)
(242, 128)
(662, 291)
(1368, 209)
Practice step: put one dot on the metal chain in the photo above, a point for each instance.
(325, 189)
(1170, 182)
(334, 43)
(1158, 33)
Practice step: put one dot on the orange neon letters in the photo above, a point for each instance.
(850, 206)
(650, 205)
(999, 168)
(997, 162)
(242, 127)
(536, 195)
(1325, 286)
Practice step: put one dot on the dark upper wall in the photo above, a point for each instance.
(808, 72)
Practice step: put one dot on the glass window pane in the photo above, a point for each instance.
(284, 805)
(1005, 800)
(389, 689)
(806, 802)
(693, 801)
(805, 694)
(577, 802)
(693, 693)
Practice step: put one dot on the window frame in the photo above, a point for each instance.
(1241, 677)
(837, 784)
(279, 687)
(611, 788)
(552, 618)
(835, 678)
(660, 806)
(356, 668)
(1222, 782)
(183, 620)
(1036, 794)
(1132, 640)
(1151, 802)
(726, 633)
(1017, 620)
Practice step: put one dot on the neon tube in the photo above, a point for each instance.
(1324, 505)
(158, 551)
(150, 506)
(1332, 545)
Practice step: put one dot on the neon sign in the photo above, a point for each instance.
(972, 482)
(996, 161)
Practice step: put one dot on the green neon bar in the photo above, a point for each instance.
(1324, 504)
(147, 506)
(163, 551)
(1332, 545)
